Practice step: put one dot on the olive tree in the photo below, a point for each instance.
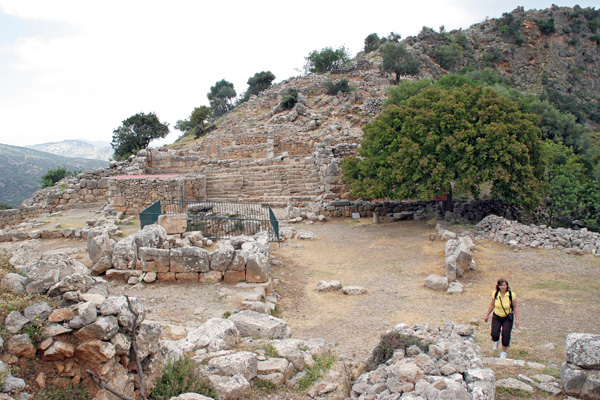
(136, 133)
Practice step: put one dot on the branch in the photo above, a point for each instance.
(136, 354)
(101, 382)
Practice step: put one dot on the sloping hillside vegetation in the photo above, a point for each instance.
(22, 169)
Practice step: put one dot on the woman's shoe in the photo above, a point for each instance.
(496, 345)
(502, 354)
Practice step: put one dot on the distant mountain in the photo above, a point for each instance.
(77, 148)
(22, 169)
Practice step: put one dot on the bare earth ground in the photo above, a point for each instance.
(558, 293)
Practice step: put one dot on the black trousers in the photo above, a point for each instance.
(504, 324)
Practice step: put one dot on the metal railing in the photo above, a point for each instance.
(217, 220)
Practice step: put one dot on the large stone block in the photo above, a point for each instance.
(258, 268)
(189, 259)
(154, 260)
(173, 223)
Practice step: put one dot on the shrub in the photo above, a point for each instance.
(5, 206)
(289, 99)
(447, 56)
(54, 175)
(389, 343)
(333, 88)
(322, 364)
(546, 26)
(181, 376)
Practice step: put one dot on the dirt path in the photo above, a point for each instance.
(558, 293)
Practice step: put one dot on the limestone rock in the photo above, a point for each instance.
(251, 323)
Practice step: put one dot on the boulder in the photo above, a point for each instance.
(95, 351)
(258, 268)
(328, 286)
(103, 328)
(215, 334)
(436, 282)
(583, 350)
(241, 363)
(230, 387)
(221, 259)
(119, 306)
(44, 274)
(14, 282)
(252, 323)
(173, 223)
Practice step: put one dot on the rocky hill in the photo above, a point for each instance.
(76, 149)
(22, 169)
(553, 52)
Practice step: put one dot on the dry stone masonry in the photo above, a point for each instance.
(520, 236)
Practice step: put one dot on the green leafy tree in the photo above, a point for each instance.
(197, 124)
(398, 60)
(136, 133)
(573, 193)
(54, 175)
(220, 97)
(259, 82)
(372, 42)
(462, 137)
(326, 60)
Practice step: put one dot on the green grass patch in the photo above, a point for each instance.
(503, 393)
(314, 373)
(181, 376)
(270, 351)
(77, 392)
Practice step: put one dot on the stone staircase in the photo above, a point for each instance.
(274, 184)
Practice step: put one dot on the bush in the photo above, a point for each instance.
(5, 206)
(54, 175)
(326, 60)
(546, 26)
(333, 88)
(181, 376)
(289, 99)
(391, 342)
(448, 56)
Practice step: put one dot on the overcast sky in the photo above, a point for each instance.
(76, 68)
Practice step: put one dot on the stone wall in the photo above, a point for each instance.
(133, 194)
(580, 374)
(17, 215)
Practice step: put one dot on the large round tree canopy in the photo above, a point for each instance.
(464, 136)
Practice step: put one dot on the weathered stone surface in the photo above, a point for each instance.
(258, 268)
(230, 387)
(87, 312)
(189, 259)
(103, 328)
(221, 259)
(242, 363)
(15, 321)
(354, 290)
(58, 351)
(215, 334)
(328, 286)
(274, 365)
(512, 383)
(42, 275)
(436, 282)
(155, 260)
(583, 350)
(61, 314)
(20, 346)
(95, 351)
(173, 223)
(251, 323)
(14, 282)
(120, 307)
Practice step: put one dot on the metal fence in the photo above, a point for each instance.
(217, 220)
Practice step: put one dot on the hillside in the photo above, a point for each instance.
(75, 149)
(22, 169)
